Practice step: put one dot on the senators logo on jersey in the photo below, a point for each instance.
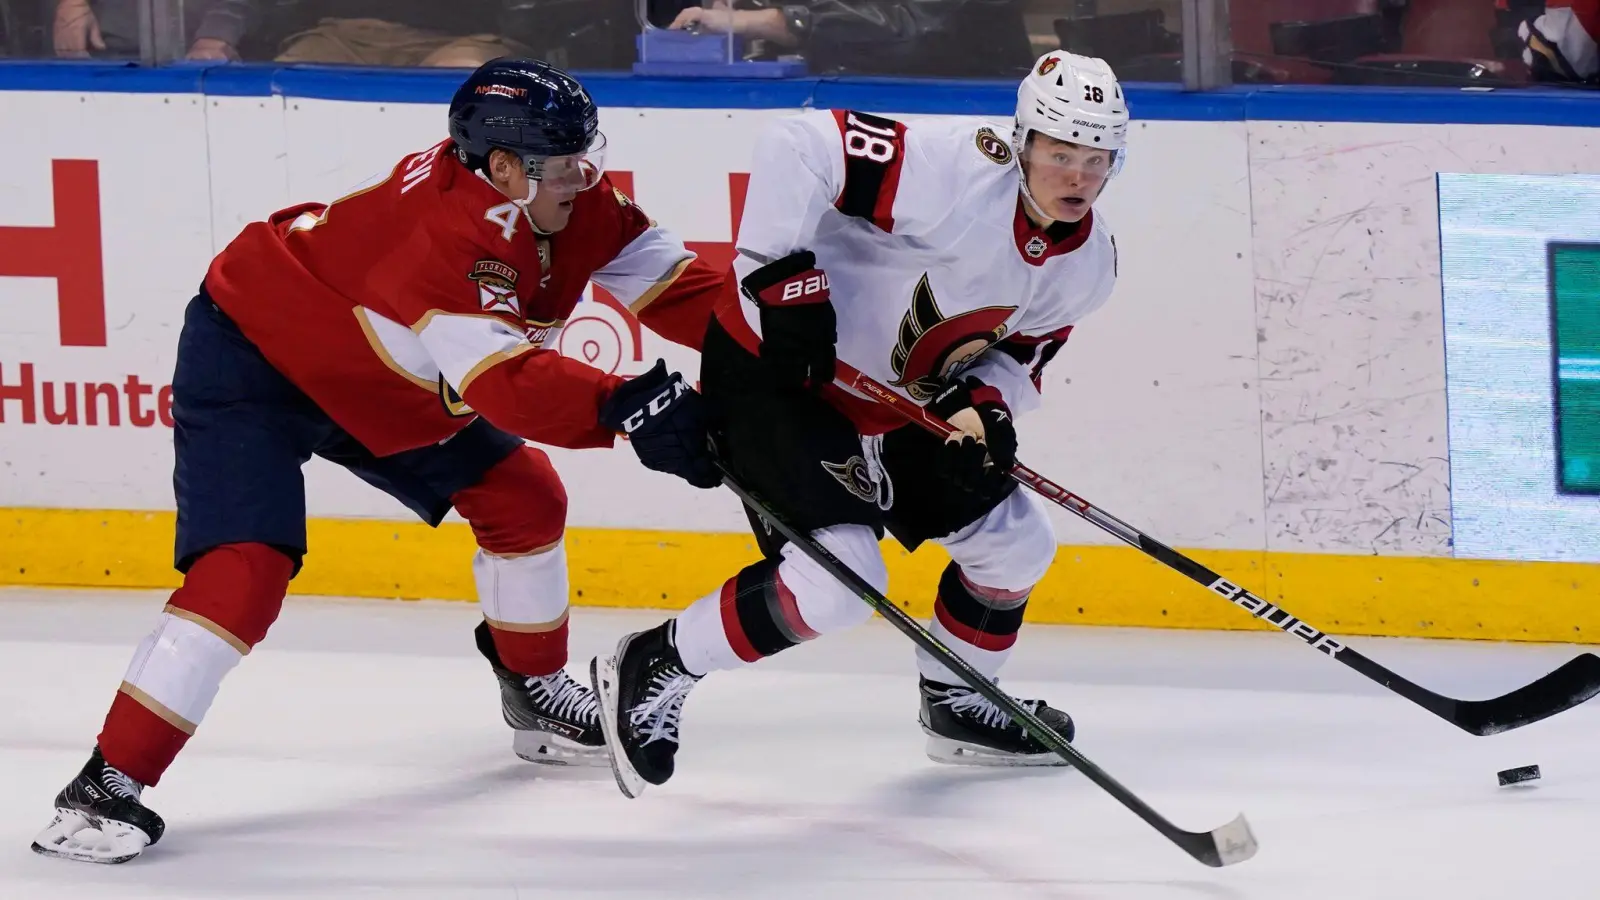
(932, 348)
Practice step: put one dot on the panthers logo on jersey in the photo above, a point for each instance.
(932, 348)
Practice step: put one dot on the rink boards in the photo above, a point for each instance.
(1268, 385)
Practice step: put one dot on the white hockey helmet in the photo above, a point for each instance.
(1073, 98)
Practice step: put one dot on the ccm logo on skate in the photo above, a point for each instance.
(1261, 609)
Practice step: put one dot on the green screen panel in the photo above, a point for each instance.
(1575, 302)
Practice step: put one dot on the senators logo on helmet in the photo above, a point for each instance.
(1048, 65)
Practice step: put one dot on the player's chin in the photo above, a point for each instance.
(558, 217)
(1069, 209)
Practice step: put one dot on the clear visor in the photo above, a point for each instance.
(1072, 163)
(573, 173)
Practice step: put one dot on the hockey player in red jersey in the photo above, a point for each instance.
(402, 332)
(946, 261)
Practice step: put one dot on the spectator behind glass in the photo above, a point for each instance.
(108, 28)
(952, 38)
(358, 32)
(1561, 42)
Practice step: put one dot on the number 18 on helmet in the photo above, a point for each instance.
(1075, 99)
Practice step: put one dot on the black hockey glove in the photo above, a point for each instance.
(664, 418)
(798, 327)
(973, 465)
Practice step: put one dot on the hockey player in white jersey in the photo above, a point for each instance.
(949, 260)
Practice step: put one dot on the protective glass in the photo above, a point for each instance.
(576, 172)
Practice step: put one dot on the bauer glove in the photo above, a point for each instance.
(981, 452)
(798, 327)
(665, 421)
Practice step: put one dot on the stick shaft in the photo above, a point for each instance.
(1572, 684)
(1204, 846)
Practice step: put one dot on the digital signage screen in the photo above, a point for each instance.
(1520, 269)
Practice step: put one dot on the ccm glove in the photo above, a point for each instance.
(981, 452)
(798, 327)
(665, 421)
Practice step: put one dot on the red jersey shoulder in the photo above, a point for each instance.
(477, 211)
(481, 251)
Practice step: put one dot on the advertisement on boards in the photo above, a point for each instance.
(1520, 271)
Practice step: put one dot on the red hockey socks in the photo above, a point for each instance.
(229, 598)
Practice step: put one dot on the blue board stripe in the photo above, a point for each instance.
(995, 98)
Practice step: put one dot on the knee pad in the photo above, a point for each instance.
(824, 602)
(1011, 548)
(236, 591)
(518, 507)
(230, 597)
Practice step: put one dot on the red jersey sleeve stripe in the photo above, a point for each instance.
(874, 153)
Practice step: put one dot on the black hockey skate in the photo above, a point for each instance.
(965, 729)
(99, 818)
(555, 720)
(641, 691)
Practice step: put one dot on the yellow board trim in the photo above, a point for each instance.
(1088, 585)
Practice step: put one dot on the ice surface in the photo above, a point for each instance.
(359, 752)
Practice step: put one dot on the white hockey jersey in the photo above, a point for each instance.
(933, 266)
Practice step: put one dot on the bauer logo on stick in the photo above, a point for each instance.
(1276, 617)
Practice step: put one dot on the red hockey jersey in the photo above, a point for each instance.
(407, 308)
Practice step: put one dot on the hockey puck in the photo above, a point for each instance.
(1518, 775)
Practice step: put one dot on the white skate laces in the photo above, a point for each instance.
(657, 717)
(965, 700)
(564, 697)
(120, 785)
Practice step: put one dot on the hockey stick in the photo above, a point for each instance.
(1560, 690)
(1224, 846)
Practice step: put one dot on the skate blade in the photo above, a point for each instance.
(603, 678)
(961, 753)
(76, 836)
(545, 749)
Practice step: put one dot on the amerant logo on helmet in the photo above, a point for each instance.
(501, 90)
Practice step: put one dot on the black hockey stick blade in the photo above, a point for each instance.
(1224, 846)
(1574, 683)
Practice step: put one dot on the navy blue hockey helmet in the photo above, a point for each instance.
(534, 110)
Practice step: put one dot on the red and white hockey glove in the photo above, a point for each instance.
(798, 326)
(980, 454)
